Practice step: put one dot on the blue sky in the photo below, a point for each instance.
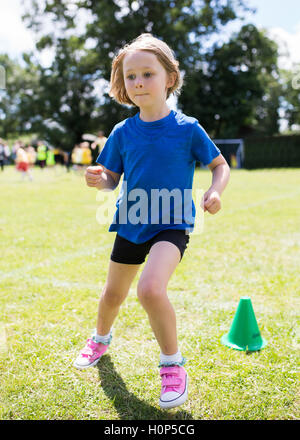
(276, 13)
(280, 17)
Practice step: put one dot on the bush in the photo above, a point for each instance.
(272, 152)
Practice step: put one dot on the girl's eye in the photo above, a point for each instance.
(131, 76)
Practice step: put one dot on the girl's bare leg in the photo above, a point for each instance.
(152, 293)
(118, 282)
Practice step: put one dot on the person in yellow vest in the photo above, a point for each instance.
(41, 154)
(86, 158)
(50, 160)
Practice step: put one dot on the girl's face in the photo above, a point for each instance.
(146, 80)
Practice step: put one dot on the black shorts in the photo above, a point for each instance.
(126, 252)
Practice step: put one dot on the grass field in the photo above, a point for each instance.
(54, 257)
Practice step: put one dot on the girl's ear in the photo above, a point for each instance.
(171, 79)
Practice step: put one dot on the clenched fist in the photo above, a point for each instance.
(93, 176)
(212, 201)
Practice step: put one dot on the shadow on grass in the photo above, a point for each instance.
(128, 406)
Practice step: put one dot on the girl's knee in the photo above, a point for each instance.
(149, 290)
(112, 297)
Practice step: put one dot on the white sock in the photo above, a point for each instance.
(104, 339)
(166, 359)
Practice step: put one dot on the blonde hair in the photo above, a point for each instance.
(145, 42)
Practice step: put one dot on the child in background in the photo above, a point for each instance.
(31, 153)
(41, 154)
(98, 145)
(22, 163)
(77, 157)
(155, 149)
(4, 153)
(86, 154)
(50, 158)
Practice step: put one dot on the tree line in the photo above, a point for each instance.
(234, 88)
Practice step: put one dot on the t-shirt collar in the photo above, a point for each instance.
(160, 123)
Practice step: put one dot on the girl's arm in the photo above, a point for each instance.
(220, 177)
(101, 178)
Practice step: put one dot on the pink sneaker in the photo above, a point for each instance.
(90, 355)
(174, 389)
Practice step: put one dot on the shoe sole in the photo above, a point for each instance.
(176, 402)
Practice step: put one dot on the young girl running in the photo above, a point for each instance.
(156, 150)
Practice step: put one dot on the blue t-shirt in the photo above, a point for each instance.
(158, 161)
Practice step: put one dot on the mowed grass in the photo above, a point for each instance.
(54, 259)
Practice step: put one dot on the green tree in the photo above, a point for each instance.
(81, 58)
(67, 99)
(17, 100)
(234, 90)
(291, 99)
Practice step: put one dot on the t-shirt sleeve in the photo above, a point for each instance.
(110, 156)
(203, 148)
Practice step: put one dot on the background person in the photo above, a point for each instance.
(98, 145)
(31, 153)
(50, 158)
(76, 157)
(3, 153)
(22, 163)
(41, 154)
(86, 158)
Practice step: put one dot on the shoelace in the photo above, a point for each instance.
(170, 381)
(88, 349)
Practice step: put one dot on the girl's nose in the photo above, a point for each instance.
(139, 84)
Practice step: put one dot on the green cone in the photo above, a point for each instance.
(244, 333)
